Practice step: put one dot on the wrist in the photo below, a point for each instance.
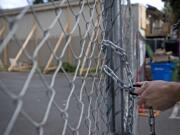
(175, 87)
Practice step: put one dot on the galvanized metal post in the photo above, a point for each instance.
(118, 40)
(108, 16)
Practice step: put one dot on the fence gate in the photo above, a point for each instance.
(67, 67)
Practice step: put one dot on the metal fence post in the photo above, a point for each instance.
(117, 39)
(108, 16)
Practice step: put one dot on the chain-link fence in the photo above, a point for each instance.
(85, 46)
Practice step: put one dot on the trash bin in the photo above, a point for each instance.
(162, 71)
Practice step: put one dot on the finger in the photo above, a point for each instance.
(150, 95)
(139, 91)
(139, 83)
(143, 87)
(145, 83)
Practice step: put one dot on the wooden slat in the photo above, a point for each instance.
(22, 48)
(5, 51)
(94, 34)
(2, 30)
(55, 49)
(69, 54)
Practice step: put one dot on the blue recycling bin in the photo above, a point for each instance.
(162, 71)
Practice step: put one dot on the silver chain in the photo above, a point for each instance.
(129, 113)
(152, 121)
(129, 88)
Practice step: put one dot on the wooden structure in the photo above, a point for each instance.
(5, 51)
(14, 65)
(49, 66)
(156, 26)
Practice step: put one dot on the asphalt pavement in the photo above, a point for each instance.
(35, 103)
(165, 125)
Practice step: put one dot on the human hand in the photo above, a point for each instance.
(159, 95)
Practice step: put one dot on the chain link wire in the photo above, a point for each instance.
(65, 32)
(72, 41)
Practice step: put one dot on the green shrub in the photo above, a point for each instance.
(68, 67)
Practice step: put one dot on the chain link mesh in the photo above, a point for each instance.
(66, 39)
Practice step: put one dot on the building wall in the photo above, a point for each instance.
(139, 18)
(44, 14)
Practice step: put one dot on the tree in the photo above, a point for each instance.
(176, 8)
(38, 1)
(168, 12)
(42, 1)
(175, 5)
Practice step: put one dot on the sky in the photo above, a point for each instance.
(156, 3)
(7, 4)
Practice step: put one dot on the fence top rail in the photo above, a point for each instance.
(43, 7)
